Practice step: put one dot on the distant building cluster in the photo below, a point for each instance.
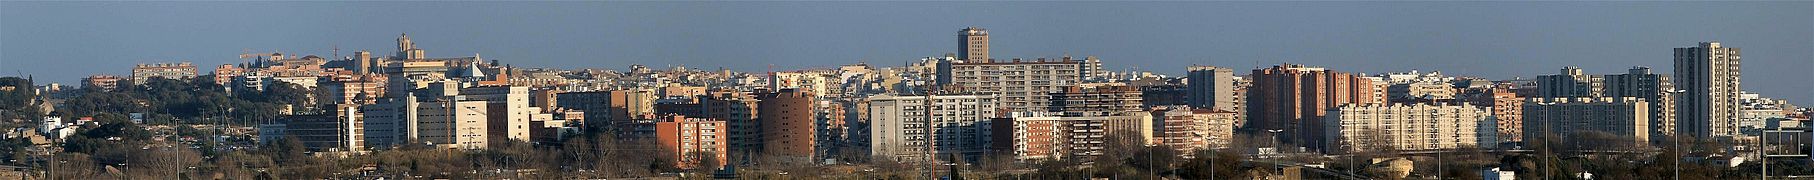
(968, 105)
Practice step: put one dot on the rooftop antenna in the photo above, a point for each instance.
(336, 51)
(1256, 62)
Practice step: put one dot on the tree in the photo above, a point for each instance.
(286, 150)
(997, 161)
(1214, 164)
(1156, 159)
(115, 134)
(96, 102)
(240, 165)
(708, 161)
(72, 166)
(185, 130)
(16, 98)
(1058, 169)
(164, 162)
(1118, 148)
(282, 94)
(14, 149)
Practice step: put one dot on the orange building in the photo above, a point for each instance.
(360, 92)
(630, 102)
(691, 140)
(1508, 109)
(173, 71)
(786, 118)
(224, 73)
(102, 82)
(1188, 129)
(1293, 98)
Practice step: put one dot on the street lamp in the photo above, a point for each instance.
(1349, 146)
(1149, 160)
(21, 171)
(1439, 163)
(1275, 148)
(1275, 139)
(1676, 139)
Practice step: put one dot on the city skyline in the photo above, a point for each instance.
(906, 90)
(1492, 40)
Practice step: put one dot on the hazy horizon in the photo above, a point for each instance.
(65, 41)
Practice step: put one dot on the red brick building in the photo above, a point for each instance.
(691, 140)
(786, 118)
(1293, 98)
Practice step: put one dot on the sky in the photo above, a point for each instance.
(64, 41)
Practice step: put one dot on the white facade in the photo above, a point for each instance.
(1708, 74)
(1560, 118)
(1023, 86)
(54, 128)
(455, 125)
(1044, 136)
(511, 122)
(1212, 87)
(446, 121)
(1353, 128)
(1187, 129)
(898, 125)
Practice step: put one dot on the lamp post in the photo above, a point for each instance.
(1546, 149)
(1439, 163)
(1351, 165)
(1275, 148)
(22, 171)
(1149, 160)
(1676, 139)
(125, 170)
(1275, 140)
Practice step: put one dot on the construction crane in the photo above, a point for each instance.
(247, 53)
(249, 57)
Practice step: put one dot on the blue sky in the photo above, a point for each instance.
(63, 41)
